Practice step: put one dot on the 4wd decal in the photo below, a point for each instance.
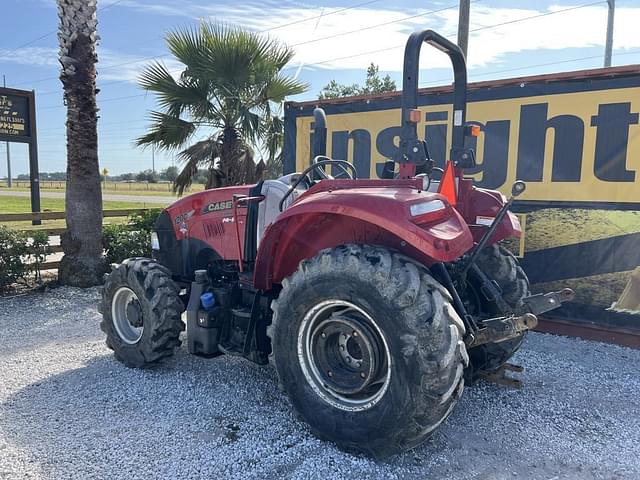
(216, 206)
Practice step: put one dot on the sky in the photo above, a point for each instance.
(333, 39)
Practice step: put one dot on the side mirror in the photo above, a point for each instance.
(518, 188)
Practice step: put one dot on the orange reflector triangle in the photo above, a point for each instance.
(447, 186)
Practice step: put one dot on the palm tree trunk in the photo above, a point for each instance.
(236, 165)
(83, 264)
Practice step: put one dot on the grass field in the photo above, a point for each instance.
(136, 188)
(136, 193)
(10, 204)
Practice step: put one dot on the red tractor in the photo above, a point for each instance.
(374, 299)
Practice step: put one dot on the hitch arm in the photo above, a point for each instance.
(503, 328)
(494, 330)
(544, 302)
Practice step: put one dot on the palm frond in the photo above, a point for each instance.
(166, 131)
(200, 154)
(231, 81)
(281, 86)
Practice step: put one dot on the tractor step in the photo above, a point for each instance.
(500, 377)
(234, 342)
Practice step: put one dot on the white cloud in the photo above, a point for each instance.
(352, 38)
(39, 56)
(112, 65)
(117, 66)
(578, 28)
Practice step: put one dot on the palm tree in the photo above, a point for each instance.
(82, 264)
(228, 95)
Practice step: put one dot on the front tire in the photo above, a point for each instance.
(368, 348)
(141, 312)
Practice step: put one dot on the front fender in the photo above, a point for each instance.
(308, 227)
(480, 211)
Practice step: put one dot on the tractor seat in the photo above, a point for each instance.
(274, 191)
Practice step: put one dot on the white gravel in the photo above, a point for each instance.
(69, 410)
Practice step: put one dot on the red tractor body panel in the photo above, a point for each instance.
(336, 212)
(480, 206)
(377, 212)
(209, 216)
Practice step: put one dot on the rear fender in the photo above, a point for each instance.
(480, 210)
(303, 230)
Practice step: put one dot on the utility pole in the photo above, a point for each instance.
(463, 25)
(9, 183)
(608, 47)
(153, 159)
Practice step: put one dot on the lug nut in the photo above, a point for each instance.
(355, 334)
(330, 373)
(341, 347)
(362, 375)
(323, 335)
(348, 359)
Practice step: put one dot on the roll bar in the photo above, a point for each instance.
(412, 150)
(319, 147)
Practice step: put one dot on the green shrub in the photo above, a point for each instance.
(129, 240)
(14, 250)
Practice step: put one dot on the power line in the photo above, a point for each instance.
(509, 22)
(114, 99)
(526, 67)
(155, 57)
(488, 27)
(369, 27)
(319, 16)
(274, 28)
(546, 14)
(56, 30)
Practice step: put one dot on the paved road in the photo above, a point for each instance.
(115, 197)
(70, 410)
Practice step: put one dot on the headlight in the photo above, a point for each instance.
(423, 208)
(155, 243)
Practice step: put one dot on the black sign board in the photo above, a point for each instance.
(18, 124)
(14, 117)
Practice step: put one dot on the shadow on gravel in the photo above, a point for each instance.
(225, 418)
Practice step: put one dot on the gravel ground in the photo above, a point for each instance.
(68, 409)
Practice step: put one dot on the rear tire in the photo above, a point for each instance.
(141, 312)
(406, 323)
(500, 265)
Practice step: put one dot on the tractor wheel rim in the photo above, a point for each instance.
(126, 312)
(344, 355)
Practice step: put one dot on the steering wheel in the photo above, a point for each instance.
(343, 164)
(324, 175)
